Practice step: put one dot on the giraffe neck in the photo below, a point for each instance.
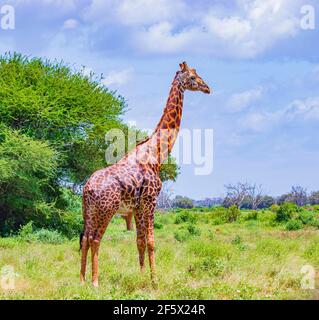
(168, 127)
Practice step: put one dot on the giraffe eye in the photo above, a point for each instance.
(193, 77)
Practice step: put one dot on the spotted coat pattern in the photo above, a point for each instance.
(133, 183)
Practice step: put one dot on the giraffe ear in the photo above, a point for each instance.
(183, 66)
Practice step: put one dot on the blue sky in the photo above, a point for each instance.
(262, 65)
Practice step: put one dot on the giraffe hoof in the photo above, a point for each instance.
(155, 285)
(95, 284)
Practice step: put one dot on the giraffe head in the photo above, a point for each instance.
(191, 80)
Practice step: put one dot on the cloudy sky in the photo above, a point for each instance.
(262, 66)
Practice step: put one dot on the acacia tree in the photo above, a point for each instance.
(314, 198)
(256, 195)
(298, 195)
(235, 194)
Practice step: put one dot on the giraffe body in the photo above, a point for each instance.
(133, 183)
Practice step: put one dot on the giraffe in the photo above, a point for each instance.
(128, 217)
(133, 183)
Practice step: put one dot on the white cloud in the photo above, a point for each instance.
(297, 111)
(258, 121)
(149, 11)
(307, 110)
(64, 5)
(117, 78)
(70, 24)
(241, 101)
(134, 12)
(245, 32)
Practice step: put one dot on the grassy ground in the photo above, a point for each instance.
(239, 260)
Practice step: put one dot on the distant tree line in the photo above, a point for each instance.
(243, 195)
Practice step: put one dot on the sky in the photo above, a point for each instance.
(257, 56)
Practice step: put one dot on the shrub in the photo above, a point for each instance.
(49, 236)
(294, 225)
(237, 240)
(286, 212)
(210, 265)
(181, 235)
(222, 215)
(28, 233)
(250, 215)
(306, 217)
(314, 223)
(158, 225)
(185, 216)
(193, 230)
(232, 214)
(274, 208)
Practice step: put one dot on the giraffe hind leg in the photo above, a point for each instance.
(84, 249)
(95, 240)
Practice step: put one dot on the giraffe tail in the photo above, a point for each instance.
(81, 238)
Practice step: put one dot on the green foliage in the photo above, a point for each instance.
(29, 234)
(181, 235)
(306, 217)
(169, 170)
(233, 214)
(50, 101)
(286, 212)
(158, 225)
(183, 202)
(274, 208)
(193, 230)
(187, 232)
(294, 225)
(185, 216)
(26, 169)
(249, 215)
(314, 223)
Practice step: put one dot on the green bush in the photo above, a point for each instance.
(274, 208)
(314, 223)
(29, 234)
(193, 230)
(233, 214)
(185, 216)
(210, 266)
(286, 212)
(250, 215)
(181, 235)
(294, 225)
(158, 225)
(306, 217)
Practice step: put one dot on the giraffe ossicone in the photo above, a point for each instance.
(133, 183)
